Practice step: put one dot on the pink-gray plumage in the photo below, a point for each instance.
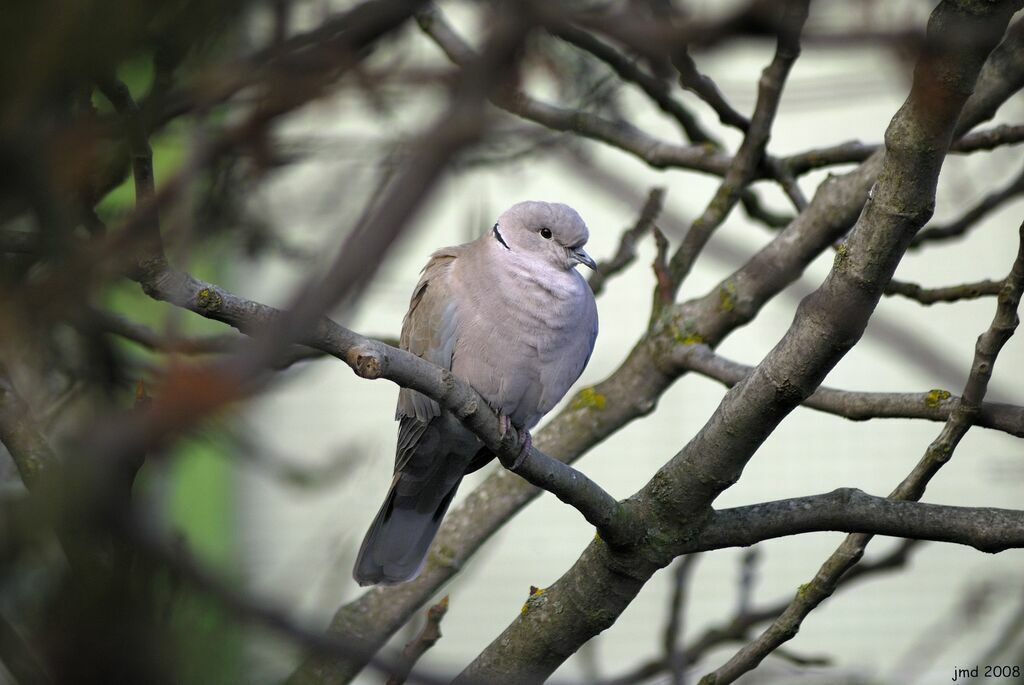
(509, 314)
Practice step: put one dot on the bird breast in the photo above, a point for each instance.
(519, 330)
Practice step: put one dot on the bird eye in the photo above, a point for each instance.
(545, 233)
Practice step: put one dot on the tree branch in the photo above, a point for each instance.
(854, 152)
(149, 259)
(756, 210)
(934, 405)
(675, 656)
(850, 510)
(953, 293)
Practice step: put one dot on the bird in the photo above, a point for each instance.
(509, 314)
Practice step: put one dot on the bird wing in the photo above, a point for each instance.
(428, 331)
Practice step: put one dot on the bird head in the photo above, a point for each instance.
(548, 231)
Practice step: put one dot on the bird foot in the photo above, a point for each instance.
(503, 425)
(525, 452)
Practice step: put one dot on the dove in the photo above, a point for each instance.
(507, 313)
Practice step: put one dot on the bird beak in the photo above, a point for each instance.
(581, 256)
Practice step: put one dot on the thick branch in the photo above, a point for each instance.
(1002, 76)
(851, 511)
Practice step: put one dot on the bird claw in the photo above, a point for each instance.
(524, 452)
(503, 425)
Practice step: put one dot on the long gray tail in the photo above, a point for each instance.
(395, 548)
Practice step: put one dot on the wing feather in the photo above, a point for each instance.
(429, 332)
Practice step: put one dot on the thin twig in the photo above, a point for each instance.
(424, 640)
(630, 72)
(620, 134)
(703, 87)
(755, 208)
(625, 254)
(933, 405)
(675, 655)
(854, 152)
(748, 576)
(149, 260)
(665, 286)
(973, 216)
(952, 293)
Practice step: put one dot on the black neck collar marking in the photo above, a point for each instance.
(499, 238)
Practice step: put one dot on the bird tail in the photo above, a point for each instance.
(395, 547)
